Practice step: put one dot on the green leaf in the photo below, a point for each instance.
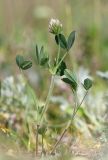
(19, 60)
(57, 39)
(23, 64)
(37, 54)
(40, 109)
(44, 61)
(42, 130)
(66, 80)
(71, 76)
(74, 86)
(71, 40)
(26, 65)
(60, 39)
(61, 69)
(42, 57)
(87, 83)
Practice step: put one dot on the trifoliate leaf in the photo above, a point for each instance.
(42, 57)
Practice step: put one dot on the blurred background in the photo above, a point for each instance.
(23, 24)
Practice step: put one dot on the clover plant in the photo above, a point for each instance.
(56, 68)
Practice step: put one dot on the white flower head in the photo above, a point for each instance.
(55, 26)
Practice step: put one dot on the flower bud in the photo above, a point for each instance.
(55, 27)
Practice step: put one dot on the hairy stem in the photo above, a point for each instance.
(69, 123)
(48, 97)
(74, 113)
(59, 140)
(37, 140)
(42, 136)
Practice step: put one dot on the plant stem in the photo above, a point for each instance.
(61, 60)
(42, 136)
(75, 101)
(37, 140)
(74, 113)
(59, 140)
(83, 98)
(48, 97)
(68, 125)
